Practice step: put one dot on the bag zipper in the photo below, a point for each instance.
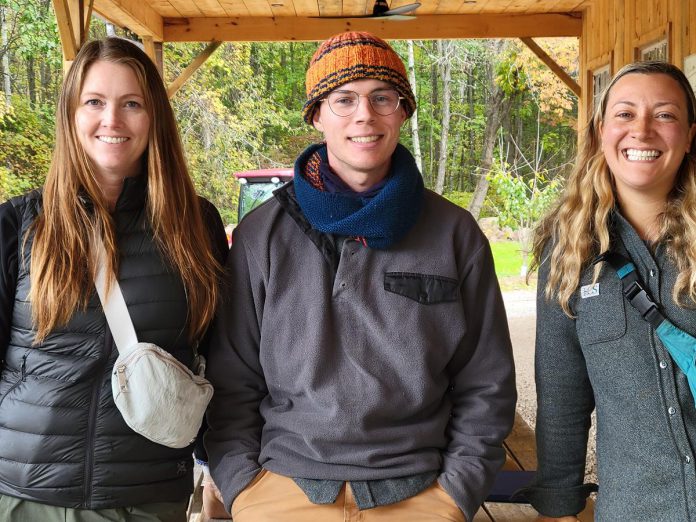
(122, 381)
(169, 358)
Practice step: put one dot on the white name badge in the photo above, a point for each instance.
(589, 291)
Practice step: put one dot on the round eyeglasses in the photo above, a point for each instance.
(344, 103)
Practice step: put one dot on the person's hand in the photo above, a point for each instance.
(541, 518)
(213, 505)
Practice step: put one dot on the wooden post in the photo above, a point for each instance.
(63, 9)
(154, 51)
(73, 27)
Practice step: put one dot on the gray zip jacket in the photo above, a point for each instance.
(393, 363)
(609, 357)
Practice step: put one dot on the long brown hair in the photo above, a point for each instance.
(75, 212)
(578, 227)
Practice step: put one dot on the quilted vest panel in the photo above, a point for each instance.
(62, 440)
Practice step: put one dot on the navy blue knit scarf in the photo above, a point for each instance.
(381, 220)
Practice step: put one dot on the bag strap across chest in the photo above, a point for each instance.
(680, 345)
(115, 308)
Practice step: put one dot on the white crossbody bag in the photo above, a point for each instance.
(158, 396)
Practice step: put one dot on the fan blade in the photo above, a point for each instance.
(398, 13)
(393, 18)
(402, 9)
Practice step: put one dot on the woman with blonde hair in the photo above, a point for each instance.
(616, 307)
(118, 177)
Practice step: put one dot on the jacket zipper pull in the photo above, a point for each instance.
(122, 382)
(24, 367)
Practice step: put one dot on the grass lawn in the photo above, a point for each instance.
(508, 262)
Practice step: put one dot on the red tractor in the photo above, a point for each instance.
(256, 186)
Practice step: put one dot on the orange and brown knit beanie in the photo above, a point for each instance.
(352, 56)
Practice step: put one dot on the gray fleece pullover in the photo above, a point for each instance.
(397, 363)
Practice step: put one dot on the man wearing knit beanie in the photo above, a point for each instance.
(362, 362)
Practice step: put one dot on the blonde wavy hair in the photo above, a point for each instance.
(75, 212)
(578, 227)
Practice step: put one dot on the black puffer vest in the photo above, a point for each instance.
(62, 440)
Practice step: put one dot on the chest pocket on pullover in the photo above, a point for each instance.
(601, 317)
(422, 288)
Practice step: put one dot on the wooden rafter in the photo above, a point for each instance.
(73, 18)
(192, 68)
(136, 15)
(80, 15)
(423, 27)
(86, 20)
(551, 63)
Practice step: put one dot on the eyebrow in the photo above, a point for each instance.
(95, 93)
(372, 91)
(658, 104)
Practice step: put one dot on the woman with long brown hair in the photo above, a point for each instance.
(615, 309)
(118, 176)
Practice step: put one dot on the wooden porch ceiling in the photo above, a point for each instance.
(286, 20)
(215, 21)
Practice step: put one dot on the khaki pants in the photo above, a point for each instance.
(17, 510)
(274, 498)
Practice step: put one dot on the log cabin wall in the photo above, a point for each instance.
(617, 32)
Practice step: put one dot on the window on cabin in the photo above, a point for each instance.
(600, 80)
(656, 51)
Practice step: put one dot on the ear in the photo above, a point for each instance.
(404, 117)
(316, 119)
(600, 128)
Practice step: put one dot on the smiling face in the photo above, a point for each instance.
(111, 121)
(360, 146)
(645, 134)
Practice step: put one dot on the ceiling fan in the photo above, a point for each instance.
(381, 11)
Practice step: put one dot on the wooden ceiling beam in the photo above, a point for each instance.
(553, 65)
(264, 29)
(136, 15)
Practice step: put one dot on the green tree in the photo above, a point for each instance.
(26, 142)
(241, 110)
(522, 201)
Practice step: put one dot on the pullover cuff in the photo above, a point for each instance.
(558, 502)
